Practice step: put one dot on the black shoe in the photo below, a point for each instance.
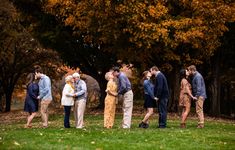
(162, 127)
(141, 125)
(146, 125)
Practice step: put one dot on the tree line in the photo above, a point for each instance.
(169, 33)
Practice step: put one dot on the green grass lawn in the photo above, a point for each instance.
(217, 134)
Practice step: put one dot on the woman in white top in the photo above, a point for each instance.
(67, 99)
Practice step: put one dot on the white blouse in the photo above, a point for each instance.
(67, 96)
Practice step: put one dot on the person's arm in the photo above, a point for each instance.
(46, 88)
(82, 91)
(147, 86)
(108, 89)
(68, 91)
(122, 85)
(31, 91)
(198, 86)
(188, 91)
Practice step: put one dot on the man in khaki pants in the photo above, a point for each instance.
(44, 94)
(80, 90)
(124, 88)
(199, 91)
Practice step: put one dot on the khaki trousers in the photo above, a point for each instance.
(44, 111)
(199, 110)
(79, 109)
(127, 109)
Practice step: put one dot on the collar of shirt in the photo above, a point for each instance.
(157, 72)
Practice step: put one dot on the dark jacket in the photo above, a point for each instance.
(161, 88)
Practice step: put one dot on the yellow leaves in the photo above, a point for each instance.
(70, 20)
(157, 11)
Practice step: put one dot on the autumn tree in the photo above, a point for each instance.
(170, 34)
(19, 51)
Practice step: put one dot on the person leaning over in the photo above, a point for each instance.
(161, 91)
(80, 94)
(124, 88)
(149, 99)
(67, 99)
(44, 95)
(199, 91)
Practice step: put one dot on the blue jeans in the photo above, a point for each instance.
(162, 109)
(66, 116)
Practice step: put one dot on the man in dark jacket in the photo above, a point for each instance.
(162, 93)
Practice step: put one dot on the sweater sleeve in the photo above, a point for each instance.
(46, 88)
(198, 86)
(33, 91)
(149, 88)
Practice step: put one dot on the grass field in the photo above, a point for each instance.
(217, 134)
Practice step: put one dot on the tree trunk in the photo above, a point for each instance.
(102, 83)
(8, 100)
(215, 86)
(174, 82)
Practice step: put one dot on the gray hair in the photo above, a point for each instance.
(107, 75)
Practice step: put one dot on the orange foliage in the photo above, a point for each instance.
(149, 27)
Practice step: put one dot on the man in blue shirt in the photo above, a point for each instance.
(161, 93)
(80, 92)
(124, 89)
(199, 91)
(44, 94)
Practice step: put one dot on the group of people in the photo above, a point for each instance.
(192, 87)
(39, 89)
(156, 94)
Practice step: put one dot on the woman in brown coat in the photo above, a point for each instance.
(185, 96)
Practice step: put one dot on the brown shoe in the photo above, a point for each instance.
(28, 126)
(200, 126)
(183, 125)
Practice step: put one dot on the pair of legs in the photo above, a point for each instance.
(184, 115)
(67, 110)
(29, 119)
(148, 115)
(79, 109)
(44, 112)
(109, 111)
(162, 109)
(186, 104)
(145, 121)
(199, 110)
(127, 109)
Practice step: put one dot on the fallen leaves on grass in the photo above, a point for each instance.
(16, 143)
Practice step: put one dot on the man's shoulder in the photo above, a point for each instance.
(146, 82)
(198, 75)
(45, 77)
(82, 81)
(160, 74)
(122, 76)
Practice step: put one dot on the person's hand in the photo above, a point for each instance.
(194, 98)
(156, 99)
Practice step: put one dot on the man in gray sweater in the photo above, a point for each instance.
(199, 91)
